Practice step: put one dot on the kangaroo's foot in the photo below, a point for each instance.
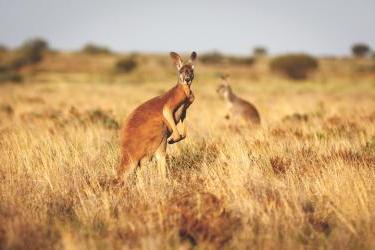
(125, 173)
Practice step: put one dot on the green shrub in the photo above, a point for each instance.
(93, 49)
(259, 51)
(102, 117)
(10, 76)
(360, 50)
(294, 66)
(218, 58)
(3, 48)
(240, 60)
(126, 64)
(365, 68)
(212, 58)
(33, 49)
(30, 52)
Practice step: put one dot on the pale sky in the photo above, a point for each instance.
(322, 27)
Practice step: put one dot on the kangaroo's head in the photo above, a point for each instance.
(185, 70)
(224, 90)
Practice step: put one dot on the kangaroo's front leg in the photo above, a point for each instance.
(168, 117)
(184, 129)
(183, 124)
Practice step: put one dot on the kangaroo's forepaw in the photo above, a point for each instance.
(172, 141)
(176, 137)
(183, 136)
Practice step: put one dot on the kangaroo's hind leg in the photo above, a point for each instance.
(126, 169)
(161, 158)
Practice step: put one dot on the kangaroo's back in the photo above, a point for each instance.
(246, 110)
(237, 106)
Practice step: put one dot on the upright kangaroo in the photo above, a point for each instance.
(238, 108)
(153, 124)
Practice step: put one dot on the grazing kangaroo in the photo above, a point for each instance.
(238, 108)
(153, 124)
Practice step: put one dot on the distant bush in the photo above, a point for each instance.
(294, 66)
(259, 51)
(240, 60)
(102, 117)
(95, 49)
(96, 116)
(35, 44)
(218, 58)
(29, 52)
(365, 69)
(3, 48)
(212, 58)
(126, 64)
(9, 76)
(360, 50)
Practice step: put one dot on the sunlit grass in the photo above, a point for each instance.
(292, 183)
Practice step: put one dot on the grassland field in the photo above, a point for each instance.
(305, 179)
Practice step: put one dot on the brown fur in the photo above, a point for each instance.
(146, 130)
(238, 108)
(145, 127)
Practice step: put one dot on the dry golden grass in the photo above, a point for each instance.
(304, 179)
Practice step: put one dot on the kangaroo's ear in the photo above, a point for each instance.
(193, 56)
(176, 59)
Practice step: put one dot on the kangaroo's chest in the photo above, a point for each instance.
(181, 110)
